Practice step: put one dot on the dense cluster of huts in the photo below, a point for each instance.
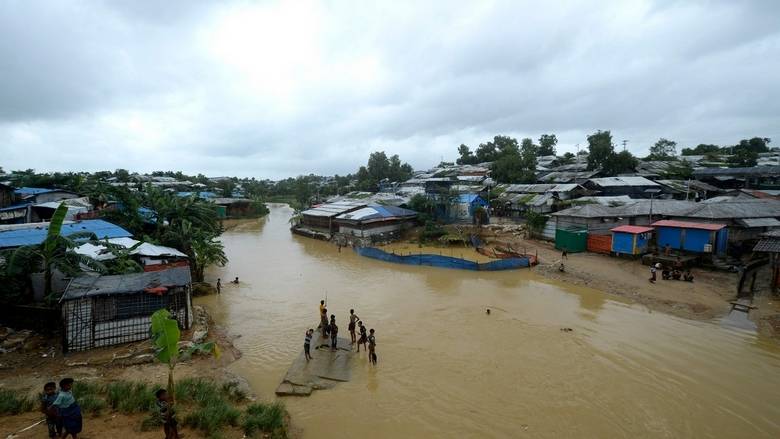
(719, 212)
(99, 310)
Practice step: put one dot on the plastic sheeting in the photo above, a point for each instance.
(444, 261)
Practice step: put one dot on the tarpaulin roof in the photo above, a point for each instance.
(376, 212)
(333, 209)
(101, 253)
(688, 225)
(91, 285)
(36, 233)
(622, 181)
(632, 229)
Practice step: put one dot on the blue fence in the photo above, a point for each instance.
(443, 261)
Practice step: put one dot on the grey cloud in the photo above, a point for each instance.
(153, 83)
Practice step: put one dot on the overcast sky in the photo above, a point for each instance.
(277, 89)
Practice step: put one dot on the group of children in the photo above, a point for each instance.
(63, 414)
(330, 328)
(676, 273)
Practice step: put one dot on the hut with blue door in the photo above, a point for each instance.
(630, 240)
(692, 237)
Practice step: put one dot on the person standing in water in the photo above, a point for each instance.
(372, 347)
(219, 286)
(363, 337)
(334, 331)
(353, 318)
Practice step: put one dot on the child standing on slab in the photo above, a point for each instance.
(353, 318)
(307, 344)
(334, 331)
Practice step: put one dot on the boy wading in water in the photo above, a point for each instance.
(334, 331)
(353, 318)
(67, 409)
(363, 336)
(47, 399)
(372, 347)
(307, 344)
(167, 414)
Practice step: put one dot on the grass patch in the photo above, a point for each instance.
(13, 403)
(89, 396)
(130, 397)
(211, 416)
(233, 392)
(265, 418)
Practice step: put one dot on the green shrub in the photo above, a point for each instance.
(92, 403)
(196, 390)
(211, 416)
(13, 403)
(130, 397)
(265, 418)
(85, 389)
(233, 392)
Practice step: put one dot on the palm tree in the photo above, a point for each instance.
(53, 252)
(208, 251)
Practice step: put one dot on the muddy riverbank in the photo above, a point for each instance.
(446, 369)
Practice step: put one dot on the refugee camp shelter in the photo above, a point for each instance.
(375, 219)
(152, 257)
(466, 205)
(634, 187)
(770, 244)
(35, 233)
(321, 217)
(690, 236)
(631, 240)
(107, 310)
(38, 195)
(7, 195)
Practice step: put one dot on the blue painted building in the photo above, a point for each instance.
(466, 205)
(692, 237)
(631, 240)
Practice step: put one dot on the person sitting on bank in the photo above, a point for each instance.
(676, 274)
(665, 274)
(234, 281)
(688, 276)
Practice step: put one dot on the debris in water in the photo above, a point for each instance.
(567, 329)
(488, 311)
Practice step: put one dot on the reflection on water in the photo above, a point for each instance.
(446, 369)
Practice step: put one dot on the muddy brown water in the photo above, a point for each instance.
(446, 369)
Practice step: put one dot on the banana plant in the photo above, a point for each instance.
(166, 335)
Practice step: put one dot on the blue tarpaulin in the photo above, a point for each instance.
(443, 261)
(37, 233)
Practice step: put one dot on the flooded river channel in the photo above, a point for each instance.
(446, 369)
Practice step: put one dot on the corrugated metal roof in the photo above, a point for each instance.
(99, 252)
(769, 245)
(756, 170)
(622, 181)
(688, 225)
(37, 232)
(333, 209)
(759, 222)
(632, 229)
(90, 285)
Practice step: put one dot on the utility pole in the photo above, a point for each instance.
(578, 154)
(624, 144)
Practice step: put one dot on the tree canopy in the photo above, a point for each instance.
(663, 149)
(547, 144)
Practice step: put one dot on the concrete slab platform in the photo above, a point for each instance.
(323, 371)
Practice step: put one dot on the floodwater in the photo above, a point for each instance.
(446, 369)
